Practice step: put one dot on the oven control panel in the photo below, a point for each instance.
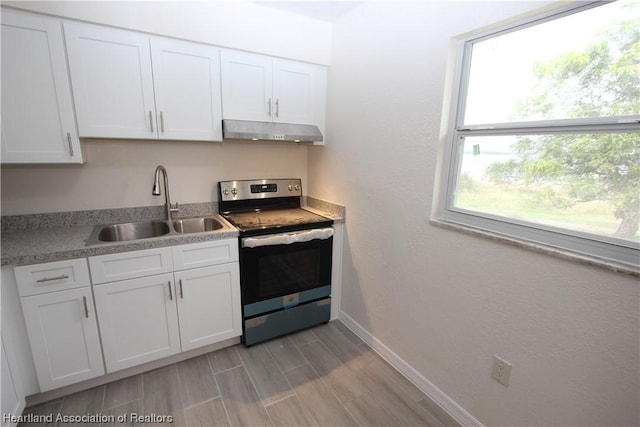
(264, 188)
(259, 189)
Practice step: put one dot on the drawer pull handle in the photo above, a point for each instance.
(151, 120)
(181, 293)
(161, 121)
(86, 308)
(277, 108)
(170, 292)
(51, 279)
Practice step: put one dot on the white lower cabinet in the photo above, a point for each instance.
(158, 315)
(57, 304)
(149, 305)
(208, 305)
(138, 320)
(63, 333)
(12, 398)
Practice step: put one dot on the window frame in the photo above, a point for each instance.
(453, 131)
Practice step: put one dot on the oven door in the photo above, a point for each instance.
(283, 270)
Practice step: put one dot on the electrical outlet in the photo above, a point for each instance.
(501, 371)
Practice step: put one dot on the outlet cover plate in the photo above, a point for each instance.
(501, 371)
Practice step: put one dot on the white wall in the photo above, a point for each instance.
(444, 301)
(120, 174)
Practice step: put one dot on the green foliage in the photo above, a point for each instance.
(603, 80)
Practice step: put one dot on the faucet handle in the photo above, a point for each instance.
(175, 208)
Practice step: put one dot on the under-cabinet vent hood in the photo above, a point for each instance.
(268, 131)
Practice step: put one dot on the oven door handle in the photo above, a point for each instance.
(287, 238)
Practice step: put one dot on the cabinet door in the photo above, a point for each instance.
(186, 80)
(38, 124)
(294, 92)
(138, 320)
(208, 305)
(112, 81)
(63, 333)
(246, 86)
(12, 400)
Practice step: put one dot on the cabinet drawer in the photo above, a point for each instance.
(129, 265)
(52, 276)
(205, 254)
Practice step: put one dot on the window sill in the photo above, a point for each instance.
(538, 247)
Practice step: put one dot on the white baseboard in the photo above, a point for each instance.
(448, 405)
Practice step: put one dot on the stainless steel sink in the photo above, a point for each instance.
(156, 228)
(128, 231)
(197, 224)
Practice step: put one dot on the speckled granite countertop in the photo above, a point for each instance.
(30, 239)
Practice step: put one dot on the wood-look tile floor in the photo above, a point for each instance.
(324, 376)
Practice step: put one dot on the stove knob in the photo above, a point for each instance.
(297, 187)
(290, 187)
(234, 191)
(225, 192)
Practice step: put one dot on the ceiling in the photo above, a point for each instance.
(322, 10)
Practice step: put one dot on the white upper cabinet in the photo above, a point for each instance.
(187, 88)
(297, 90)
(256, 87)
(112, 81)
(38, 123)
(246, 86)
(119, 94)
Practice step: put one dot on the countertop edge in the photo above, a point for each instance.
(23, 247)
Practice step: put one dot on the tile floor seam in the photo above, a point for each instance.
(201, 403)
(282, 371)
(329, 386)
(104, 396)
(226, 411)
(253, 384)
(293, 394)
(180, 386)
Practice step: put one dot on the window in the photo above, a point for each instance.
(544, 137)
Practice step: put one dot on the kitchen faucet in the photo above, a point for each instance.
(156, 191)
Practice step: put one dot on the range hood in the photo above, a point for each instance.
(268, 131)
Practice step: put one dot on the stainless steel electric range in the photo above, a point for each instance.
(285, 257)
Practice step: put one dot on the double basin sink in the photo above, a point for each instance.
(156, 228)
